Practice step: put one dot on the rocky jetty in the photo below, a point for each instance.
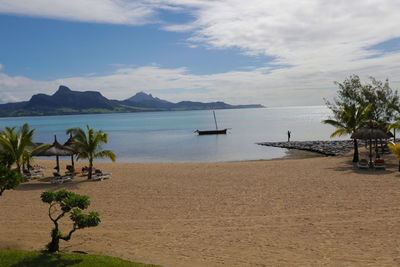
(328, 148)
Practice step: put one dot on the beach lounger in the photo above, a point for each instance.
(362, 164)
(28, 175)
(75, 172)
(379, 163)
(99, 175)
(59, 179)
(85, 170)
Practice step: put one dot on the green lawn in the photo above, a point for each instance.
(19, 258)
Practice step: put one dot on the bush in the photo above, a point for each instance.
(67, 202)
(9, 179)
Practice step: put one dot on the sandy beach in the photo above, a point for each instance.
(294, 212)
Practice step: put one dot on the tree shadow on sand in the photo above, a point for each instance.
(349, 166)
(45, 184)
(47, 260)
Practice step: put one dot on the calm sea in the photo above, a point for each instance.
(169, 136)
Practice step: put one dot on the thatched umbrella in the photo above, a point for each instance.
(56, 150)
(369, 134)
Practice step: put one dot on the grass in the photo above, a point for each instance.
(20, 258)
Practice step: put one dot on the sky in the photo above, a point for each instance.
(275, 53)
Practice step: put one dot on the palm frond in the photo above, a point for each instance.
(106, 154)
(339, 132)
(333, 123)
(395, 149)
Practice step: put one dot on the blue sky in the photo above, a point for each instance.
(46, 49)
(276, 53)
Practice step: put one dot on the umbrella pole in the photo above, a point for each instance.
(58, 164)
(370, 152)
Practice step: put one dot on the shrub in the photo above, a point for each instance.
(9, 179)
(67, 202)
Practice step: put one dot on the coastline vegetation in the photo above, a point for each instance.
(358, 105)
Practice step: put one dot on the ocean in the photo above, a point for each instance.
(169, 136)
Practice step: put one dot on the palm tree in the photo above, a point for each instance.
(89, 145)
(395, 125)
(17, 144)
(395, 150)
(349, 120)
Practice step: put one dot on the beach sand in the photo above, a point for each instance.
(295, 212)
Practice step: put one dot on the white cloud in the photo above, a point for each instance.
(1, 66)
(320, 41)
(298, 85)
(99, 11)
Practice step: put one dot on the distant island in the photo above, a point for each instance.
(68, 102)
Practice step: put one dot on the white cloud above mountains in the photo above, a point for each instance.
(318, 41)
(98, 11)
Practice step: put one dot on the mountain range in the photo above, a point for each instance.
(66, 102)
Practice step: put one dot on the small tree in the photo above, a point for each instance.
(65, 202)
(9, 179)
(378, 94)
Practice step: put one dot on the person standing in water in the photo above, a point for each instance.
(288, 135)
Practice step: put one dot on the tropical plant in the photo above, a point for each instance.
(348, 121)
(395, 150)
(67, 202)
(396, 124)
(378, 94)
(9, 179)
(89, 145)
(6, 159)
(18, 143)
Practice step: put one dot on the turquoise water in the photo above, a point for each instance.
(169, 136)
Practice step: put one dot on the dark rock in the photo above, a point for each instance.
(328, 148)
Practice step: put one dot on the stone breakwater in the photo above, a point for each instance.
(328, 148)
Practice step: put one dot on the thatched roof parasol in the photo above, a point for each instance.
(370, 133)
(56, 150)
(70, 144)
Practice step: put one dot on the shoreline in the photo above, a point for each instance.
(290, 154)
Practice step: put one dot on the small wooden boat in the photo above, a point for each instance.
(209, 132)
(212, 132)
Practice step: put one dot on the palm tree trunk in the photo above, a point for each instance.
(90, 168)
(355, 156)
(18, 167)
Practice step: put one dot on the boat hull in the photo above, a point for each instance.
(212, 132)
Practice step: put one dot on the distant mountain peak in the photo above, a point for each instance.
(62, 90)
(66, 101)
(142, 96)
